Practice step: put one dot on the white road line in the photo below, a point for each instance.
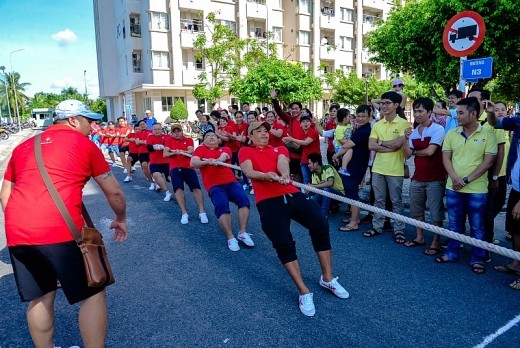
(499, 332)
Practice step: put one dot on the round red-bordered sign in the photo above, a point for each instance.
(464, 33)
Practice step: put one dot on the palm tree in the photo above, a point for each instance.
(12, 80)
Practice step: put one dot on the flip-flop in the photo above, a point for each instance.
(434, 251)
(399, 238)
(442, 259)
(413, 243)
(371, 233)
(515, 285)
(478, 268)
(505, 269)
(347, 229)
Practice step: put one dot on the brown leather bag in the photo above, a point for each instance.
(90, 241)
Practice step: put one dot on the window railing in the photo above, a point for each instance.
(327, 11)
(260, 2)
(192, 25)
(135, 30)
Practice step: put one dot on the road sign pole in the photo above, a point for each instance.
(462, 81)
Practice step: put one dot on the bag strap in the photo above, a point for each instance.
(56, 197)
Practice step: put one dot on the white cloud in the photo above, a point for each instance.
(64, 83)
(65, 37)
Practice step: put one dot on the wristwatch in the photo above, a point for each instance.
(465, 179)
(494, 178)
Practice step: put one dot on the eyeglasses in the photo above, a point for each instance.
(388, 103)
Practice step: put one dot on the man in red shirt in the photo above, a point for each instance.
(222, 187)
(141, 134)
(112, 137)
(133, 153)
(159, 165)
(330, 125)
(181, 171)
(279, 202)
(41, 245)
(123, 130)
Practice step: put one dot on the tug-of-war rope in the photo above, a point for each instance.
(421, 224)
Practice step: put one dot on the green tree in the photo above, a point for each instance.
(179, 111)
(44, 100)
(410, 40)
(290, 81)
(99, 105)
(14, 88)
(224, 54)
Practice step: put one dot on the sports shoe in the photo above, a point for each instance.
(252, 192)
(203, 218)
(232, 244)
(133, 169)
(127, 179)
(125, 171)
(114, 164)
(344, 172)
(184, 219)
(335, 287)
(157, 188)
(245, 238)
(306, 304)
(152, 186)
(167, 196)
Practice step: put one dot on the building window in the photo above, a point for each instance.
(346, 43)
(201, 105)
(231, 25)
(199, 64)
(194, 25)
(167, 103)
(347, 15)
(159, 21)
(160, 60)
(346, 69)
(370, 19)
(304, 6)
(135, 25)
(304, 37)
(136, 61)
(306, 66)
(147, 104)
(277, 34)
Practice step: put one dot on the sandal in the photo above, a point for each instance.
(399, 238)
(515, 285)
(371, 233)
(505, 269)
(442, 259)
(348, 228)
(414, 243)
(346, 221)
(432, 251)
(478, 268)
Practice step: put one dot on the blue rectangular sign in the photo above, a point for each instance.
(481, 68)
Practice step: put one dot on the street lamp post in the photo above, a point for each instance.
(85, 80)
(366, 76)
(6, 94)
(14, 87)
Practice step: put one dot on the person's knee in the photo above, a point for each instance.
(286, 252)
(320, 241)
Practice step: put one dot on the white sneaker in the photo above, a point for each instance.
(306, 304)
(114, 164)
(184, 219)
(133, 169)
(335, 287)
(125, 171)
(127, 179)
(245, 238)
(167, 196)
(203, 218)
(157, 188)
(233, 244)
(152, 186)
(252, 192)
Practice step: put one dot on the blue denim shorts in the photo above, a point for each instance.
(221, 195)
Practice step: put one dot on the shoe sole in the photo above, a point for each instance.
(326, 287)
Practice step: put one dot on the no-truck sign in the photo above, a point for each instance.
(464, 33)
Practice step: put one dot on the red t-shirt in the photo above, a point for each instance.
(313, 147)
(142, 135)
(179, 161)
(242, 130)
(156, 156)
(103, 132)
(122, 133)
(94, 128)
(214, 175)
(112, 136)
(274, 141)
(331, 124)
(265, 159)
(31, 216)
(132, 146)
(231, 128)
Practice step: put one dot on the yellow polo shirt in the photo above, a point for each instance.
(389, 163)
(327, 172)
(468, 153)
(502, 138)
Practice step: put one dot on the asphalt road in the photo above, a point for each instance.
(179, 286)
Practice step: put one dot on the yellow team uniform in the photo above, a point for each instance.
(389, 163)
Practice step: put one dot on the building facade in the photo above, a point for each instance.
(146, 58)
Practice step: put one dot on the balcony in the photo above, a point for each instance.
(366, 56)
(190, 77)
(378, 5)
(328, 22)
(328, 52)
(256, 9)
(193, 25)
(368, 27)
(192, 5)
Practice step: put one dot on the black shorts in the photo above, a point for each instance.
(179, 176)
(144, 157)
(123, 149)
(37, 267)
(163, 168)
(134, 157)
(512, 225)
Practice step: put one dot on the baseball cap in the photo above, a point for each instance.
(256, 125)
(72, 107)
(305, 117)
(147, 112)
(397, 82)
(176, 126)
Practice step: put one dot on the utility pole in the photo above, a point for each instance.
(85, 81)
(6, 94)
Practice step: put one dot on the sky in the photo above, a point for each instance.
(58, 42)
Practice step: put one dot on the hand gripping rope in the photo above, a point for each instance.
(421, 224)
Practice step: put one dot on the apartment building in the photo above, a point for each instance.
(146, 57)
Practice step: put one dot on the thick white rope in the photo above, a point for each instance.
(421, 224)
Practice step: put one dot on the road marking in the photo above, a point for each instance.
(499, 332)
